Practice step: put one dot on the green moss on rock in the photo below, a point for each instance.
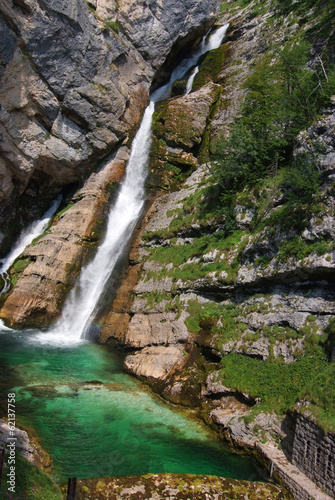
(18, 268)
(210, 67)
(176, 487)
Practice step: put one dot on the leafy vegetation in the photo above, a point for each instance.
(31, 483)
(300, 249)
(281, 386)
(218, 320)
(114, 25)
(283, 97)
(17, 269)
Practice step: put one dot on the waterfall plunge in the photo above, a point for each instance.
(191, 80)
(80, 306)
(123, 217)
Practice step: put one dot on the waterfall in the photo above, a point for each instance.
(216, 38)
(191, 80)
(34, 230)
(123, 217)
(81, 304)
(213, 42)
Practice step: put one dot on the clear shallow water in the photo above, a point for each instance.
(95, 420)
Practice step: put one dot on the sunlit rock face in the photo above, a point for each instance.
(74, 81)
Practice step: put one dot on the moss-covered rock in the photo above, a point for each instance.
(176, 487)
(179, 129)
(181, 122)
(210, 67)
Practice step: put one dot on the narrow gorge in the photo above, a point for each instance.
(167, 241)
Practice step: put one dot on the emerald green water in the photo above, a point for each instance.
(96, 420)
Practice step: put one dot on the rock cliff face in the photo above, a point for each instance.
(183, 128)
(179, 255)
(75, 79)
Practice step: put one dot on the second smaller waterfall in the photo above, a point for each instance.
(191, 80)
(26, 237)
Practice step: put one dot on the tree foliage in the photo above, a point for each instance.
(283, 98)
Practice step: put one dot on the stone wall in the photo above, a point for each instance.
(314, 453)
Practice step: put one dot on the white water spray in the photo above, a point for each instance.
(34, 230)
(191, 80)
(214, 42)
(81, 304)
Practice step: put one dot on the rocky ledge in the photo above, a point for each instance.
(176, 487)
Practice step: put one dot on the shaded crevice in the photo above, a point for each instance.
(179, 51)
(245, 400)
(208, 353)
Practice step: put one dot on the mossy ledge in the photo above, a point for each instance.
(176, 487)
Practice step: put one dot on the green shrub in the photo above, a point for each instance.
(299, 249)
(31, 483)
(114, 25)
(282, 99)
(281, 386)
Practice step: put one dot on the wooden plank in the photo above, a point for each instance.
(71, 488)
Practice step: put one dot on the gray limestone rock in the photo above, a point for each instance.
(155, 329)
(66, 75)
(162, 23)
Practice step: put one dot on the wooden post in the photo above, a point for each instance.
(71, 488)
(2, 457)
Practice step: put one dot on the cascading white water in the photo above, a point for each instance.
(191, 80)
(214, 41)
(34, 230)
(216, 38)
(80, 306)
